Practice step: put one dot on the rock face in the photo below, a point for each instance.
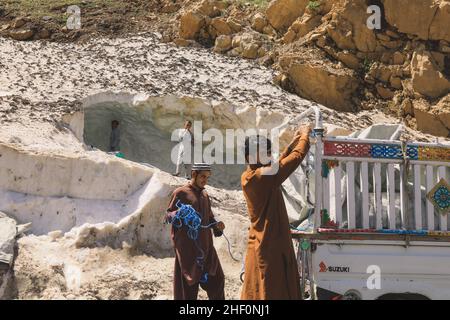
(427, 79)
(348, 28)
(282, 13)
(328, 87)
(8, 232)
(427, 19)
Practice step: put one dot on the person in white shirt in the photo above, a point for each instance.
(187, 140)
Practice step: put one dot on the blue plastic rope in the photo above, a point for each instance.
(186, 215)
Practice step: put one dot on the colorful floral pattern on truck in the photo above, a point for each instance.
(440, 196)
(385, 151)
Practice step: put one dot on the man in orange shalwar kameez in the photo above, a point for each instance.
(271, 270)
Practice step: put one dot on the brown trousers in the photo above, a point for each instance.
(214, 287)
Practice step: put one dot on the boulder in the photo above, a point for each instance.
(443, 110)
(384, 92)
(208, 8)
(190, 25)
(407, 107)
(223, 43)
(270, 31)
(349, 59)
(440, 27)
(348, 28)
(259, 22)
(219, 26)
(427, 79)
(21, 35)
(234, 25)
(429, 118)
(18, 23)
(332, 88)
(282, 13)
(396, 82)
(250, 45)
(236, 42)
(380, 72)
(44, 34)
(180, 42)
(289, 36)
(398, 58)
(413, 16)
(341, 33)
(249, 50)
(393, 44)
(439, 59)
(306, 24)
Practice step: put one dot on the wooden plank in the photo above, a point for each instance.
(326, 194)
(377, 200)
(337, 173)
(442, 218)
(403, 200)
(430, 207)
(365, 194)
(351, 216)
(417, 198)
(391, 196)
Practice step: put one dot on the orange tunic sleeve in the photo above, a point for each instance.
(290, 161)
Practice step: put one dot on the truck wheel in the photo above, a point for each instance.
(351, 295)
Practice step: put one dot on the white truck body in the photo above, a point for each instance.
(422, 268)
(389, 206)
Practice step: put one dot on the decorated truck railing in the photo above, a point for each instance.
(405, 180)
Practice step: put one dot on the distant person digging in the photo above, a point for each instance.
(114, 138)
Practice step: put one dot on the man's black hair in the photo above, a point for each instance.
(258, 141)
(115, 122)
